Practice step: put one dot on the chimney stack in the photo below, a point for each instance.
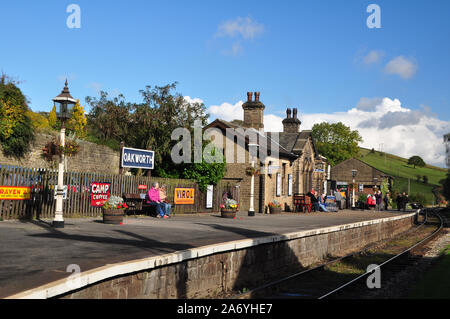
(253, 111)
(291, 124)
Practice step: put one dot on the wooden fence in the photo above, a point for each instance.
(78, 203)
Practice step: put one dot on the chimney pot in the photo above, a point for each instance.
(249, 96)
(295, 113)
(257, 94)
(288, 113)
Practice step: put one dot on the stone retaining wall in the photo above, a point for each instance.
(233, 269)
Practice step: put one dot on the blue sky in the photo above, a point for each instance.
(319, 56)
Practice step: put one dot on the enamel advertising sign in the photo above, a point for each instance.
(15, 193)
(99, 193)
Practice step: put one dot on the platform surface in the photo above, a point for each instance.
(33, 254)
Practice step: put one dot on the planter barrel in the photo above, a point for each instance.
(275, 210)
(228, 213)
(113, 216)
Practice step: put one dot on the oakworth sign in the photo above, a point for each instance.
(136, 158)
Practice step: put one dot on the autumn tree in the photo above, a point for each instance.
(52, 119)
(336, 141)
(77, 122)
(16, 131)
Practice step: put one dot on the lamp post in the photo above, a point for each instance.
(354, 172)
(253, 152)
(65, 103)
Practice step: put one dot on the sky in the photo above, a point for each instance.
(390, 83)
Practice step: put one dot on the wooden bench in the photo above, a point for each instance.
(303, 202)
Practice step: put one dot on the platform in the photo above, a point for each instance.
(34, 254)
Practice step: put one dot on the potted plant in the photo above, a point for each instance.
(228, 208)
(113, 210)
(275, 207)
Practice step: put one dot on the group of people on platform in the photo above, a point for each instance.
(157, 196)
(317, 201)
(382, 202)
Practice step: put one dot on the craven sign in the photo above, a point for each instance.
(136, 158)
(15, 193)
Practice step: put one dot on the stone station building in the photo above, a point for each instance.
(287, 162)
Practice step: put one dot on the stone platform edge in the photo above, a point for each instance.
(95, 275)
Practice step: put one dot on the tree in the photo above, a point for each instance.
(52, 119)
(336, 141)
(38, 121)
(77, 122)
(416, 161)
(16, 131)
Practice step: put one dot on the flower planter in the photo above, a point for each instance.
(275, 210)
(113, 216)
(227, 213)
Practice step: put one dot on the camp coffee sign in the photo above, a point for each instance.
(136, 158)
(100, 193)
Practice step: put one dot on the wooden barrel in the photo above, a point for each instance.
(275, 210)
(228, 213)
(113, 216)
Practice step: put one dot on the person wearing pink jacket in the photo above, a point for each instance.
(154, 200)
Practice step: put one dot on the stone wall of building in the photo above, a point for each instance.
(234, 270)
(91, 158)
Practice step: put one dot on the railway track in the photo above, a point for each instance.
(323, 281)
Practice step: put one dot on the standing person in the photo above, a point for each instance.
(339, 199)
(378, 199)
(399, 201)
(155, 200)
(164, 201)
(386, 200)
(405, 201)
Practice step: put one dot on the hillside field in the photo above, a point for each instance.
(398, 168)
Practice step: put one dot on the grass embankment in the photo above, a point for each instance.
(398, 168)
(435, 283)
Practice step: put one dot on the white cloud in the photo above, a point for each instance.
(373, 56)
(401, 66)
(403, 131)
(193, 100)
(227, 111)
(244, 27)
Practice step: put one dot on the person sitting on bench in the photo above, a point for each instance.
(164, 200)
(155, 200)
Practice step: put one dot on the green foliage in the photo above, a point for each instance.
(147, 125)
(336, 141)
(16, 131)
(207, 172)
(416, 161)
(52, 119)
(418, 198)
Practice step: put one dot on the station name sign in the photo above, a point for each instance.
(136, 158)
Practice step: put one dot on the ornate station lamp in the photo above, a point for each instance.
(253, 153)
(354, 172)
(65, 103)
